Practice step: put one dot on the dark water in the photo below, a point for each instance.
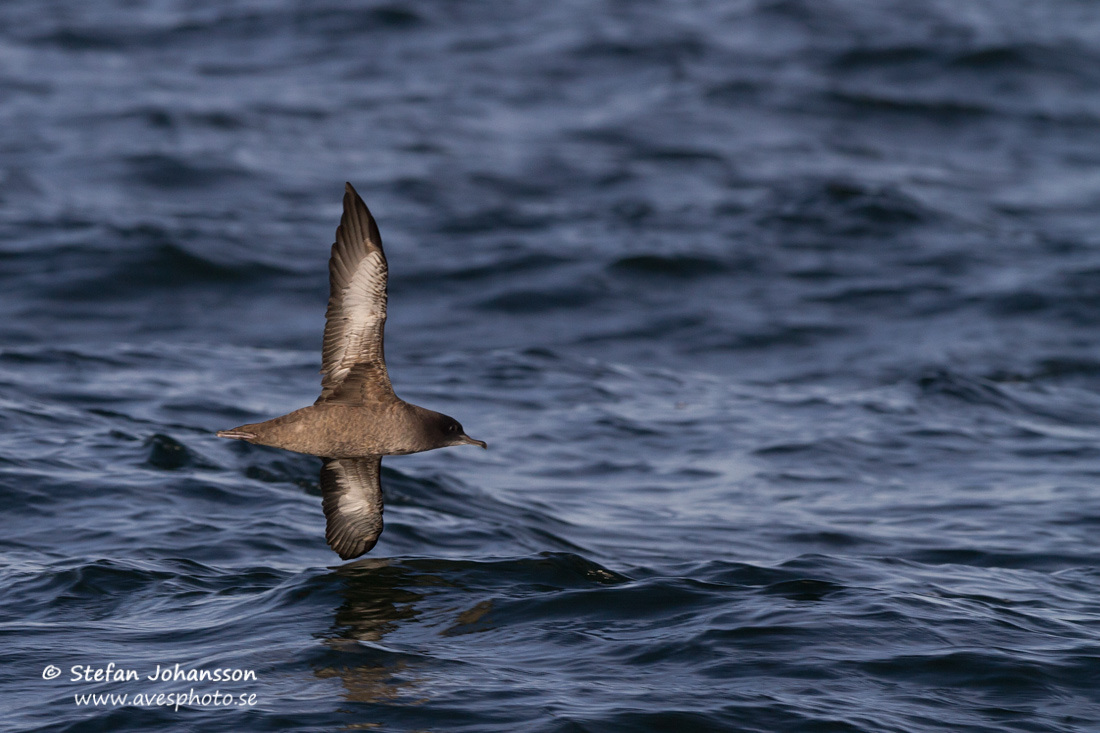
(779, 318)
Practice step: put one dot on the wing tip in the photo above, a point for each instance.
(352, 196)
(351, 550)
(346, 543)
(357, 222)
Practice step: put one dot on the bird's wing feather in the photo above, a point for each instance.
(356, 316)
(352, 499)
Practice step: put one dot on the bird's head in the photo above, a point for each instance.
(450, 432)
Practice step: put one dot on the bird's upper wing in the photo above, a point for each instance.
(356, 316)
(352, 499)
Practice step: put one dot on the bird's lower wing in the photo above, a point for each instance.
(352, 498)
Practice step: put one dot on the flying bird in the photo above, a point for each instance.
(358, 418)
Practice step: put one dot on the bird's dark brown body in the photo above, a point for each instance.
(333, 430)
(358, 418)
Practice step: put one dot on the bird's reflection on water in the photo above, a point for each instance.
(377, 597)
(381, 595)
(402, 630)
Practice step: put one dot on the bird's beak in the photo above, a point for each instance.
(465, 439)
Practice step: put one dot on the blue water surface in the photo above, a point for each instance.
(779, 317)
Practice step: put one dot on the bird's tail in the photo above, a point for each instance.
(236, 434)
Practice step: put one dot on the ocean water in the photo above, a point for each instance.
(779, 317)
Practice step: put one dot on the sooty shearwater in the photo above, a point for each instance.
(357, 419)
